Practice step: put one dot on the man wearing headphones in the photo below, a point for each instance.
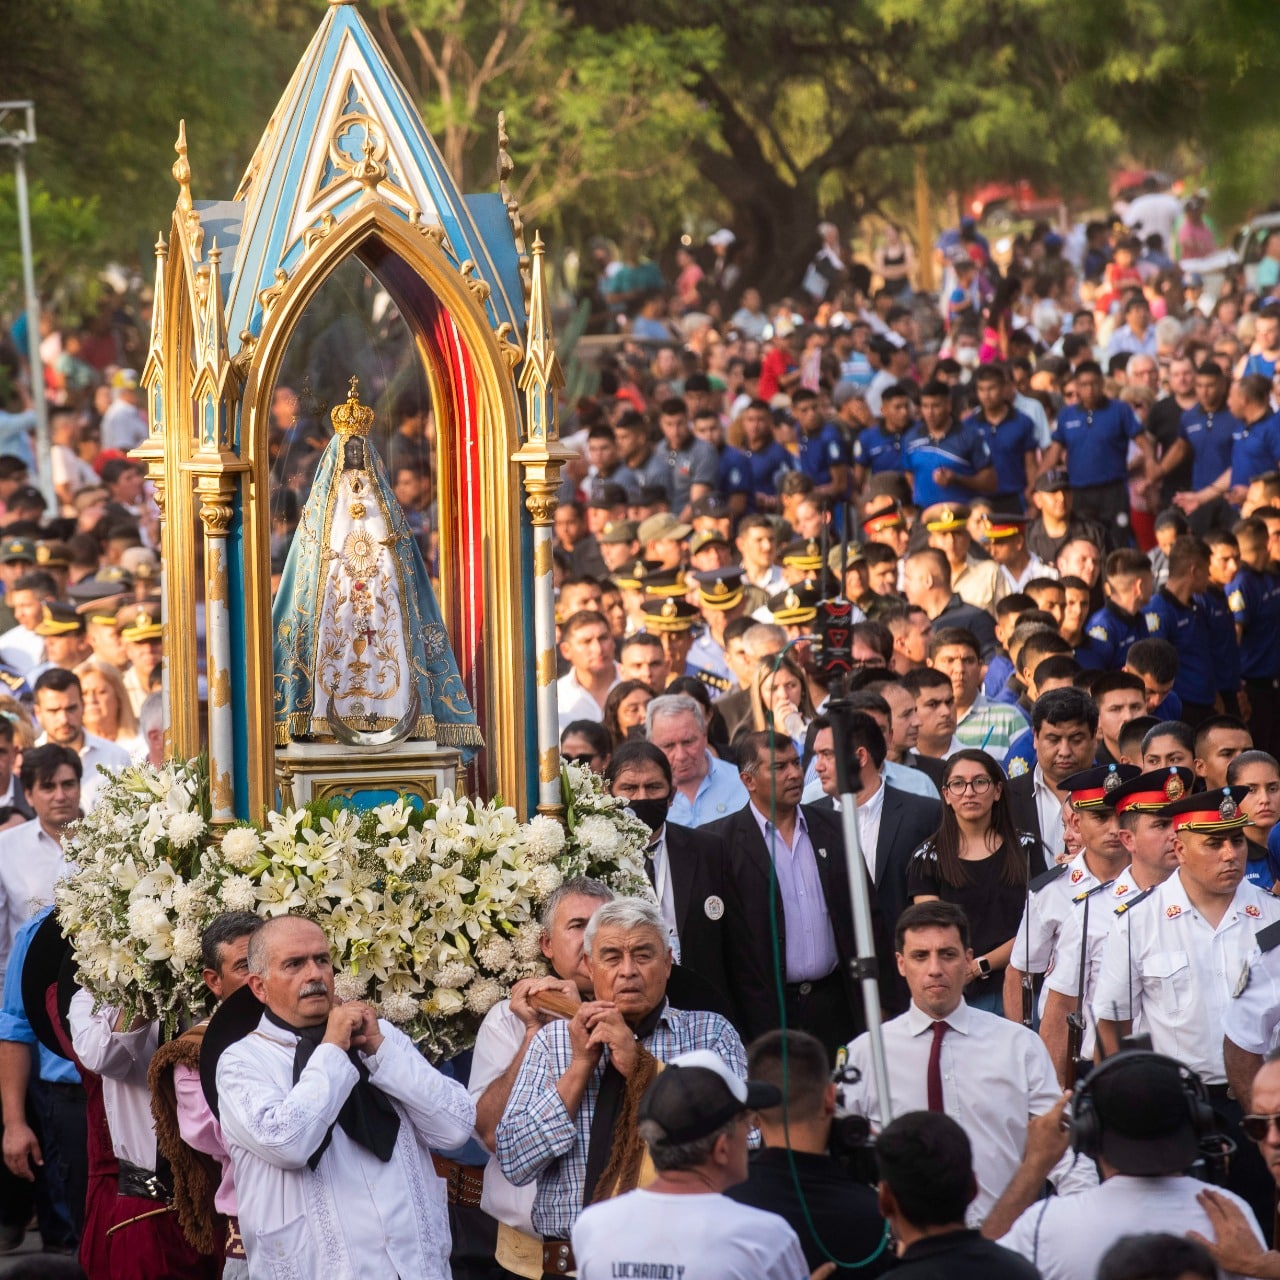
(1145, 1119)
(1177, 963)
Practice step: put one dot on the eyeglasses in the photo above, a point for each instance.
(958, 786)
(1258, 1127)
(582, 758)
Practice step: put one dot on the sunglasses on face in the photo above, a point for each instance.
(1258, 1127)
(582, 758)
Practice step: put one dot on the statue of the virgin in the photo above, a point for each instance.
(361, 655)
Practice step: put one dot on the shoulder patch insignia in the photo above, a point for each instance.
(1047, 877)
(1235, 601)
(1017, 767)
(1153, 621)
(1098, 633)
(1253, 911)
(1173, 912)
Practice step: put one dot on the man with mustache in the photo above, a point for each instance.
(327, 1113)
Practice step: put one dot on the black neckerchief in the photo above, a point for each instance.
(608, 1106)
(367, 1116)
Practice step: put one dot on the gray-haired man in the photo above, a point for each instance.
(706, 788)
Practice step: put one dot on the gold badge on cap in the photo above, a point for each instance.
(791, 600)
(669, 609)
(1173, 789)
(1111, 781)
(1228, 809)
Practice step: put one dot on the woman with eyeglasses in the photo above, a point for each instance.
(978, 860)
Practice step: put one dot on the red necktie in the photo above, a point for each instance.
(933, 1080)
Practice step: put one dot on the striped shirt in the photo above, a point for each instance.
(990, 726)
(538, 1138)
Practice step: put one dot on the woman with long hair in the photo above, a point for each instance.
(108, 713)
(977, 859)
(781, 698)
(624, 710)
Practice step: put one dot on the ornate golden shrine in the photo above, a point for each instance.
(346, 168)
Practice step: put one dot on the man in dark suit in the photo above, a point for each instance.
(1064, 725)
(687, 869)
(898, 822)
(814, 913)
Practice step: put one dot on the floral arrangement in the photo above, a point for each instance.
(431, 912)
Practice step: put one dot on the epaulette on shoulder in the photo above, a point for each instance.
(1269, 938)
(1129, 903)
(1047, 878)
(1088, 893)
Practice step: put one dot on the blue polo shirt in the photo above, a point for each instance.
(1108, 635)
(820, 452)
(1258, 363)
(880, 450)
(1254, 601)
(1210, 436)
(1187, 629)
(1021, 756)
(1097, 441)
(999, 669)
(734, 475)
(1009, 443)
(1222, 637)
(719, 794)
(1170, 708)
(14, 1024)
(963, 450)
(766, 467)
(1255, 449)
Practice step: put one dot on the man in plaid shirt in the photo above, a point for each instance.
(576, 1071)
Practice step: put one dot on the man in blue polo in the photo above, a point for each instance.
(1255, 444)
(824, 451)
(879, 448)
(1179, 613)
(767, 461)
(949, 461)
(1093, 437)
(1010, 435)
(1209, 428)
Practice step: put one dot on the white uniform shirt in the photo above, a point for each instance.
(1181, 971)
(996, 1074)
(575, 702)
(646, 1233)
(21, 649)
(1035, 946)
(497, 1042)
(1065, 978)
(121, 1058)
(354, 1216)
(1253, 1019)
(31, 860)
(1065, 1237)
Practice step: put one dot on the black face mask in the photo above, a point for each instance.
(653, 813)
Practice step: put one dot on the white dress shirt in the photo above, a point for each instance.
(355, 1215)
(31, 860)
(1253, 1020)
(1166, 964)
(869, 813)
(996, 1075)
(21, 649)
(1049, 811)
(1035, 568)
(497, 1042)
(121, 1058)
(662, 888)
(575, 702)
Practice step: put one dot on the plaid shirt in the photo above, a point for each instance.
(538, 1138)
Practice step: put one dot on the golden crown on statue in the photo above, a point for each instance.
(352, 418)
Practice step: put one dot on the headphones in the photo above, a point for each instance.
(1086, 1125)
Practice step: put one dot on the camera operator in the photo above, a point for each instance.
(843, 1211)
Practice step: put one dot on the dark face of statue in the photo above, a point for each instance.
(353, 455)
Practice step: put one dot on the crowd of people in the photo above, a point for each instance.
(1050, 496)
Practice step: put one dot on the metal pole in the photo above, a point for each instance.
(44, 459)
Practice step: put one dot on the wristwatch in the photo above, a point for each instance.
(984, 966)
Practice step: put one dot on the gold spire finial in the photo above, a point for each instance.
(352, 418)
(541, 376)
(182, 168)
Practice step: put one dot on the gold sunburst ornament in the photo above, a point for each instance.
(359, 553)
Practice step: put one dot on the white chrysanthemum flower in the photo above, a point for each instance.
(398, 1007)
(494, 953)
(350, 986)
(239, 894)
(546, 879)
(444, 1003)
(184, 828)
(528, 942)
(598, 835)
(482, 995)
(544, 839)
(241, 847)
(186, 946)
(453, 975)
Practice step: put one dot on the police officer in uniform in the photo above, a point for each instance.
(1177, 964)
(720, 596)
(1146, 834)
(1051, 897)
(671, 619)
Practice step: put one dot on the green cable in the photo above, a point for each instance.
(779, 977)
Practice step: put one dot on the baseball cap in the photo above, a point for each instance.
(1053, 481)
(607, 495)
(651, 495)
(697, 1093)
(617, 532)
(707, 538)
(12, 549)
(713, 506)
(1142, 1107)
(662, 526)
(124, 379)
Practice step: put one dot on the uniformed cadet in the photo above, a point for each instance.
(1177, 963)
(1252, 1029)
(975, 581)
(100, 612)
(63, 631)
(1146, 834)
(883, 521)
(1109, 634)
(720, 595)
(1051, 896)
(142, 635)
(671, 619)
(795, 608)
(618, 545)
(801, 559)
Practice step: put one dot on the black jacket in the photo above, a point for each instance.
(748, 946)
(1022, 803)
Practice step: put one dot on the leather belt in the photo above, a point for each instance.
(557, 1258)
(235, 1241)
(145, 1184)
(465, 1182)
(804, 988)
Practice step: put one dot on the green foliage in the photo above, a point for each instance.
(66, 241)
